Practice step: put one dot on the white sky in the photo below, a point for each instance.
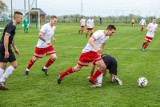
(94, 7)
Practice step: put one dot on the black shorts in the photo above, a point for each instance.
(11, 58)
(113, 67)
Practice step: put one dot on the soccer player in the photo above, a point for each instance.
(111, 65)
(90, 26)
(150, 33)
(6, 53)
(83, 23)
(25, 24)
(142, 23)
(44, 45)
(133, 22)
(91, 53)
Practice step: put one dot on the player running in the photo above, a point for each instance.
(90, 26)
(150, 33)
(142, 23)
(6, 53)
(83, 23)
(111, 65)
(91, 53)
(44, 45)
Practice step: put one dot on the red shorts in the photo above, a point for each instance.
(87, 57)
(148, 38)
(82, 26)
(39, 52)
(89, 29)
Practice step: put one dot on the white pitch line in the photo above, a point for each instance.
(77, 47)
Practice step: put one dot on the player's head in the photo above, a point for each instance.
(18, 17)
(53, 20)
(110, 30)
(154, 20)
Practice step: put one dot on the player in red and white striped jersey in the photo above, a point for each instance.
(44, 45)
(83, 23)
(152, 28)
(90, 26)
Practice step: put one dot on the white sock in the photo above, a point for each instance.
(44, 67)
(99, 78)
(1, 72)
(27, 69)
(7, 73)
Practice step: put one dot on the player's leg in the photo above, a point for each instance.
(146, 44)
(87, 33)
(99, 71)
(79, 30)
(68, 71)
(2, 82)
(113, 72)
(7, 73)
(49, 51)
(53, 57)
(91, 32)
(30, 63)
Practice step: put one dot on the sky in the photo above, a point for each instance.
(93, 7)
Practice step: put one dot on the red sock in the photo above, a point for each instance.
(67, 72)
(86, 35)
(31, 62)
(97, 73)
(49, 62)
(145, 46)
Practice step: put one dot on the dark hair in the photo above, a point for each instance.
(17, 12)
(110, 27)
(53, 16)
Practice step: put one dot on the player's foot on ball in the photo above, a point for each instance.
(26, 73)
(97, 85)
(45, 71)
(2, 86)
(91, 80)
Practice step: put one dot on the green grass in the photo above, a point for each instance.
(37, 90)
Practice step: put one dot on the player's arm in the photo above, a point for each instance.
(43, 39)
(15, 48)
(148, 28)
(91, 41)
(54, 39)
(6, 40)
(102, 47)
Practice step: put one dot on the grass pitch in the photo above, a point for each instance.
(37, 90)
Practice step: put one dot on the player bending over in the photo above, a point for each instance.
(111, 65)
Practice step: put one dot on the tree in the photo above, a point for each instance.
(3, 6)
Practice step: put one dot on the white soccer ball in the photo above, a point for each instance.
(142, 81)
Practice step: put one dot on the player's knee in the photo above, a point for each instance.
(103, 68)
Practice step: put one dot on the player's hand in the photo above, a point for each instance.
(48, 42)
(54, 40)
(99, 51)
(17, 52)
(155, 31)
(6, 54)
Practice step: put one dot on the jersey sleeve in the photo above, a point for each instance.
(96, 35)
(9, 30)
(43, 30)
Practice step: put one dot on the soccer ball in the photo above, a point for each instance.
(142, 81)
